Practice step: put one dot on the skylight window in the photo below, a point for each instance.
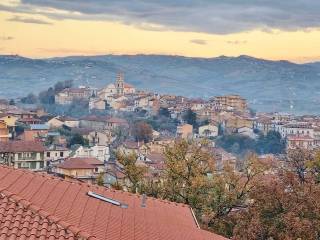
(108, 200)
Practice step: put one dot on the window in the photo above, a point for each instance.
(61, 154)
(33, 165)
(48, 154)
(25, 165)
(41, 165)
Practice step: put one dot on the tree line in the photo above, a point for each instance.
(238, 144)
(47, 96)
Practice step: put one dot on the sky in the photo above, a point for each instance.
(270, 29)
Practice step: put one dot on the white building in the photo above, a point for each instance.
(117, 88)
(100, 152)
(142, 102)
(108, 91)
(59, 121)
(295, 129)
(96, 103)
(208, 131)
(55, 153)
(246, 131)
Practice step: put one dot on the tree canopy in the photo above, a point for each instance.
(265, 144)
(265, 200)
(190, 117)
(142, 131)
(29, 99)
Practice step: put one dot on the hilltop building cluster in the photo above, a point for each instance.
(34, 140)
(83, 148)
(221, 114)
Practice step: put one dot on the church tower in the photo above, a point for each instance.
(120, 83)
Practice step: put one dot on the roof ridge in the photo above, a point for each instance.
(92, 185)
(44, 214)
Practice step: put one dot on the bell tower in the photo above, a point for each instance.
(120, 83)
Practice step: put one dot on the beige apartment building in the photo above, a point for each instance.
(184, 131)
(68, 95)
(231, 103)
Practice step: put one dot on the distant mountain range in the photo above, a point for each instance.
(268, 85)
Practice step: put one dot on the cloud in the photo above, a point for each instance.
(6, 38)
(210, 16)
(27, 20)
(237, 42)
(198, 41)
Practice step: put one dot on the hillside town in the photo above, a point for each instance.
(40, 141)
(121, 121)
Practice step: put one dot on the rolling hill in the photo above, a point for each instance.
(268, 85)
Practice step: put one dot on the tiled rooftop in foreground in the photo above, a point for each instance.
(39, 206)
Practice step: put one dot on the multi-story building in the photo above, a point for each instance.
(119, 87)
(59, 121)
(185, 131)
(23, 154)
(230, 103)
(99, 152)
(234, 122)
(295, 129)
(94, 122)
(208, 131)
(100, 137)
(82, 168)
(115, 122)
(102, 122)
(97, 103)
(68, 95)
(36, 132)
(264, 125)
(300, 141)
(54, 153)
(10, 121)
(4, 132)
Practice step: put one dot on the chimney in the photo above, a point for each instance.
(143, 200)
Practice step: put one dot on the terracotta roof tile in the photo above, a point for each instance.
(80, 163)
(20, 222)
(95, 118)
(64, 209)
(117, 120)
(127, 85)
(21, 146)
